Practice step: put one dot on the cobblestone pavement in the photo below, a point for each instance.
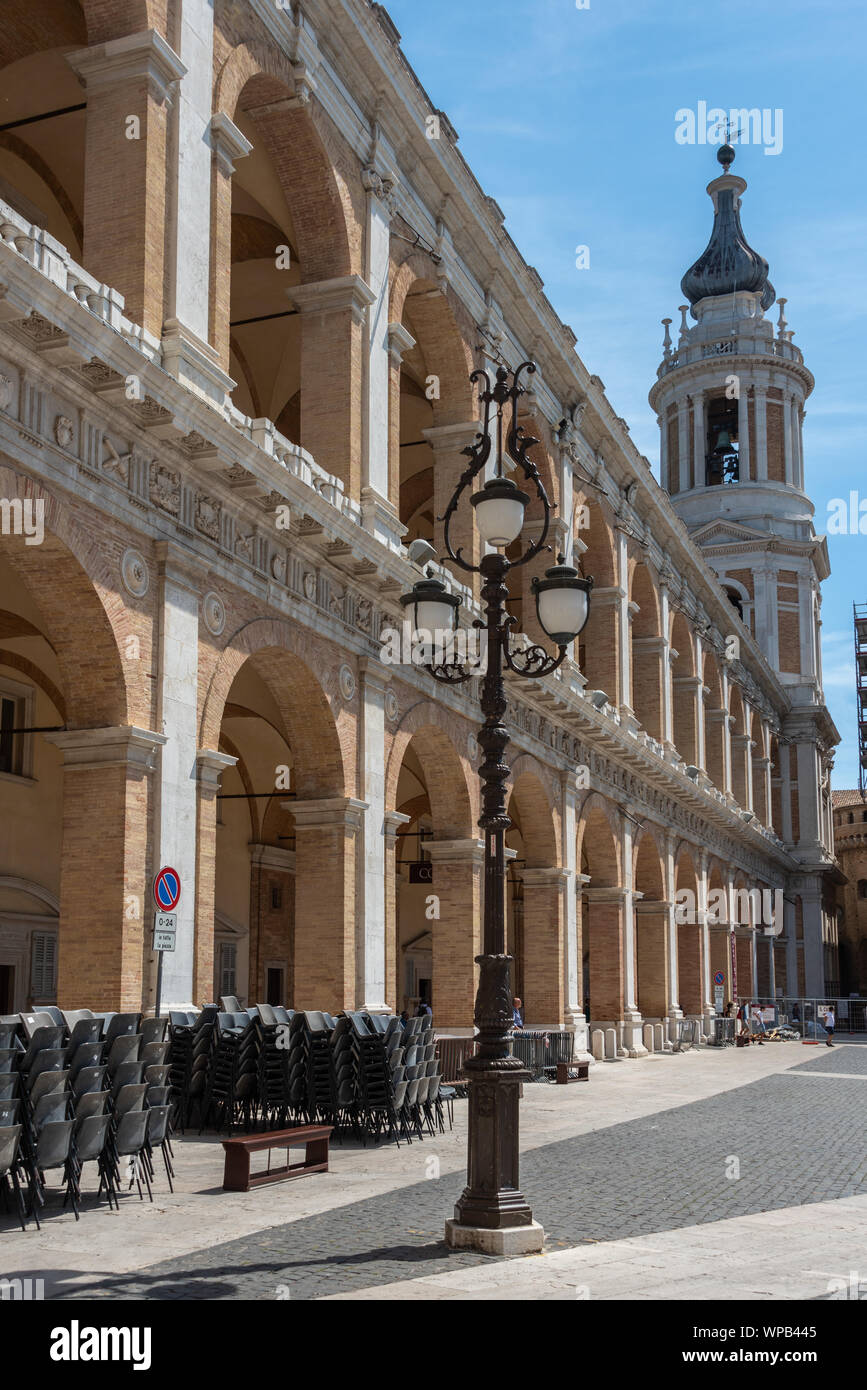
(845, 1060)
(778, 1142)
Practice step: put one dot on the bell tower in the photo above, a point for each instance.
(729, 400)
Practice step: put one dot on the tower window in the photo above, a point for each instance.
(722, 463)
(734, 599)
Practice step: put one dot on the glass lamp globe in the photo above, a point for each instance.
(562, 602)
(500, 511)
(434, 609)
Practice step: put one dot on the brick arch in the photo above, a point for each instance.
(685, 868)
(648, 864)
(647, 659)
(530, 788)
(596, 537)
(117, 18)
(27, 29)
(443, 332)
(83, 613)
(256, 75)
(432, 735)
(686, 708)
(599, 842)
(280, 657)
(598, 652)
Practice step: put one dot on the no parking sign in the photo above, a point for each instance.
(167, 889)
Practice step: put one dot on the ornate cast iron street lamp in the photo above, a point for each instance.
(492, 1214)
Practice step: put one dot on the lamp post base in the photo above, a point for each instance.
(512, 1240)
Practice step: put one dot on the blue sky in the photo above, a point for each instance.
(567, 117)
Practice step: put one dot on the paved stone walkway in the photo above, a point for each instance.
(779, 1142)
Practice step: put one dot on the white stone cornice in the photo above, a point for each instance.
(452, 437)
(455, 851)
(227, 142)
(122, 745)
(400, 340)
(329, 296)
(346, 811)
(145, 55)
(210, 765)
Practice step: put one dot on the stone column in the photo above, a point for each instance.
(129, 85)
(675, 1013)
(106, 907)
(785, 794)
(333, 322)
(544, 947)
(772, 969)
(210, 765)
(393, 820)
(181, 578)
(457, 884)
(809, 795)
(632, 1025)
(788, 449)
(743, 434)
(400, 341)
(228, 144)
(741, 779)
(573, 1011)
(186, 350)
(706, 990)
(798, 469)
(665, 480)
(379, 509)
(326, 887)
(683, 445)
(760, 401)
(372, 917)
(698, 439)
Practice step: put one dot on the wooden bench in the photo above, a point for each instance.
(313, 1138)
(570, 1071)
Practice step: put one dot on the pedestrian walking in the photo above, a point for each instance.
(830, 1024)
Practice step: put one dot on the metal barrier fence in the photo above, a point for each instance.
(806, 1016)
(723, 1032)
(453, 1052)
(538, 1051)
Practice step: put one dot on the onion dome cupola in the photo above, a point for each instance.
(728, 263)
(729, 399)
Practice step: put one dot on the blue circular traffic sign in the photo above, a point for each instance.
(167, 889)
(719, 978)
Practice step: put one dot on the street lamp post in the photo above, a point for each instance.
(492, 1214)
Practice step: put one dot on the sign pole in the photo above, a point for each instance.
(159, 983)
(166, 893)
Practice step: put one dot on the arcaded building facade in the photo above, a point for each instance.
(245, 274)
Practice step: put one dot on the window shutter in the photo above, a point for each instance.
(43, 973)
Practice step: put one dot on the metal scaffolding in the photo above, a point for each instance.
(860, 613)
